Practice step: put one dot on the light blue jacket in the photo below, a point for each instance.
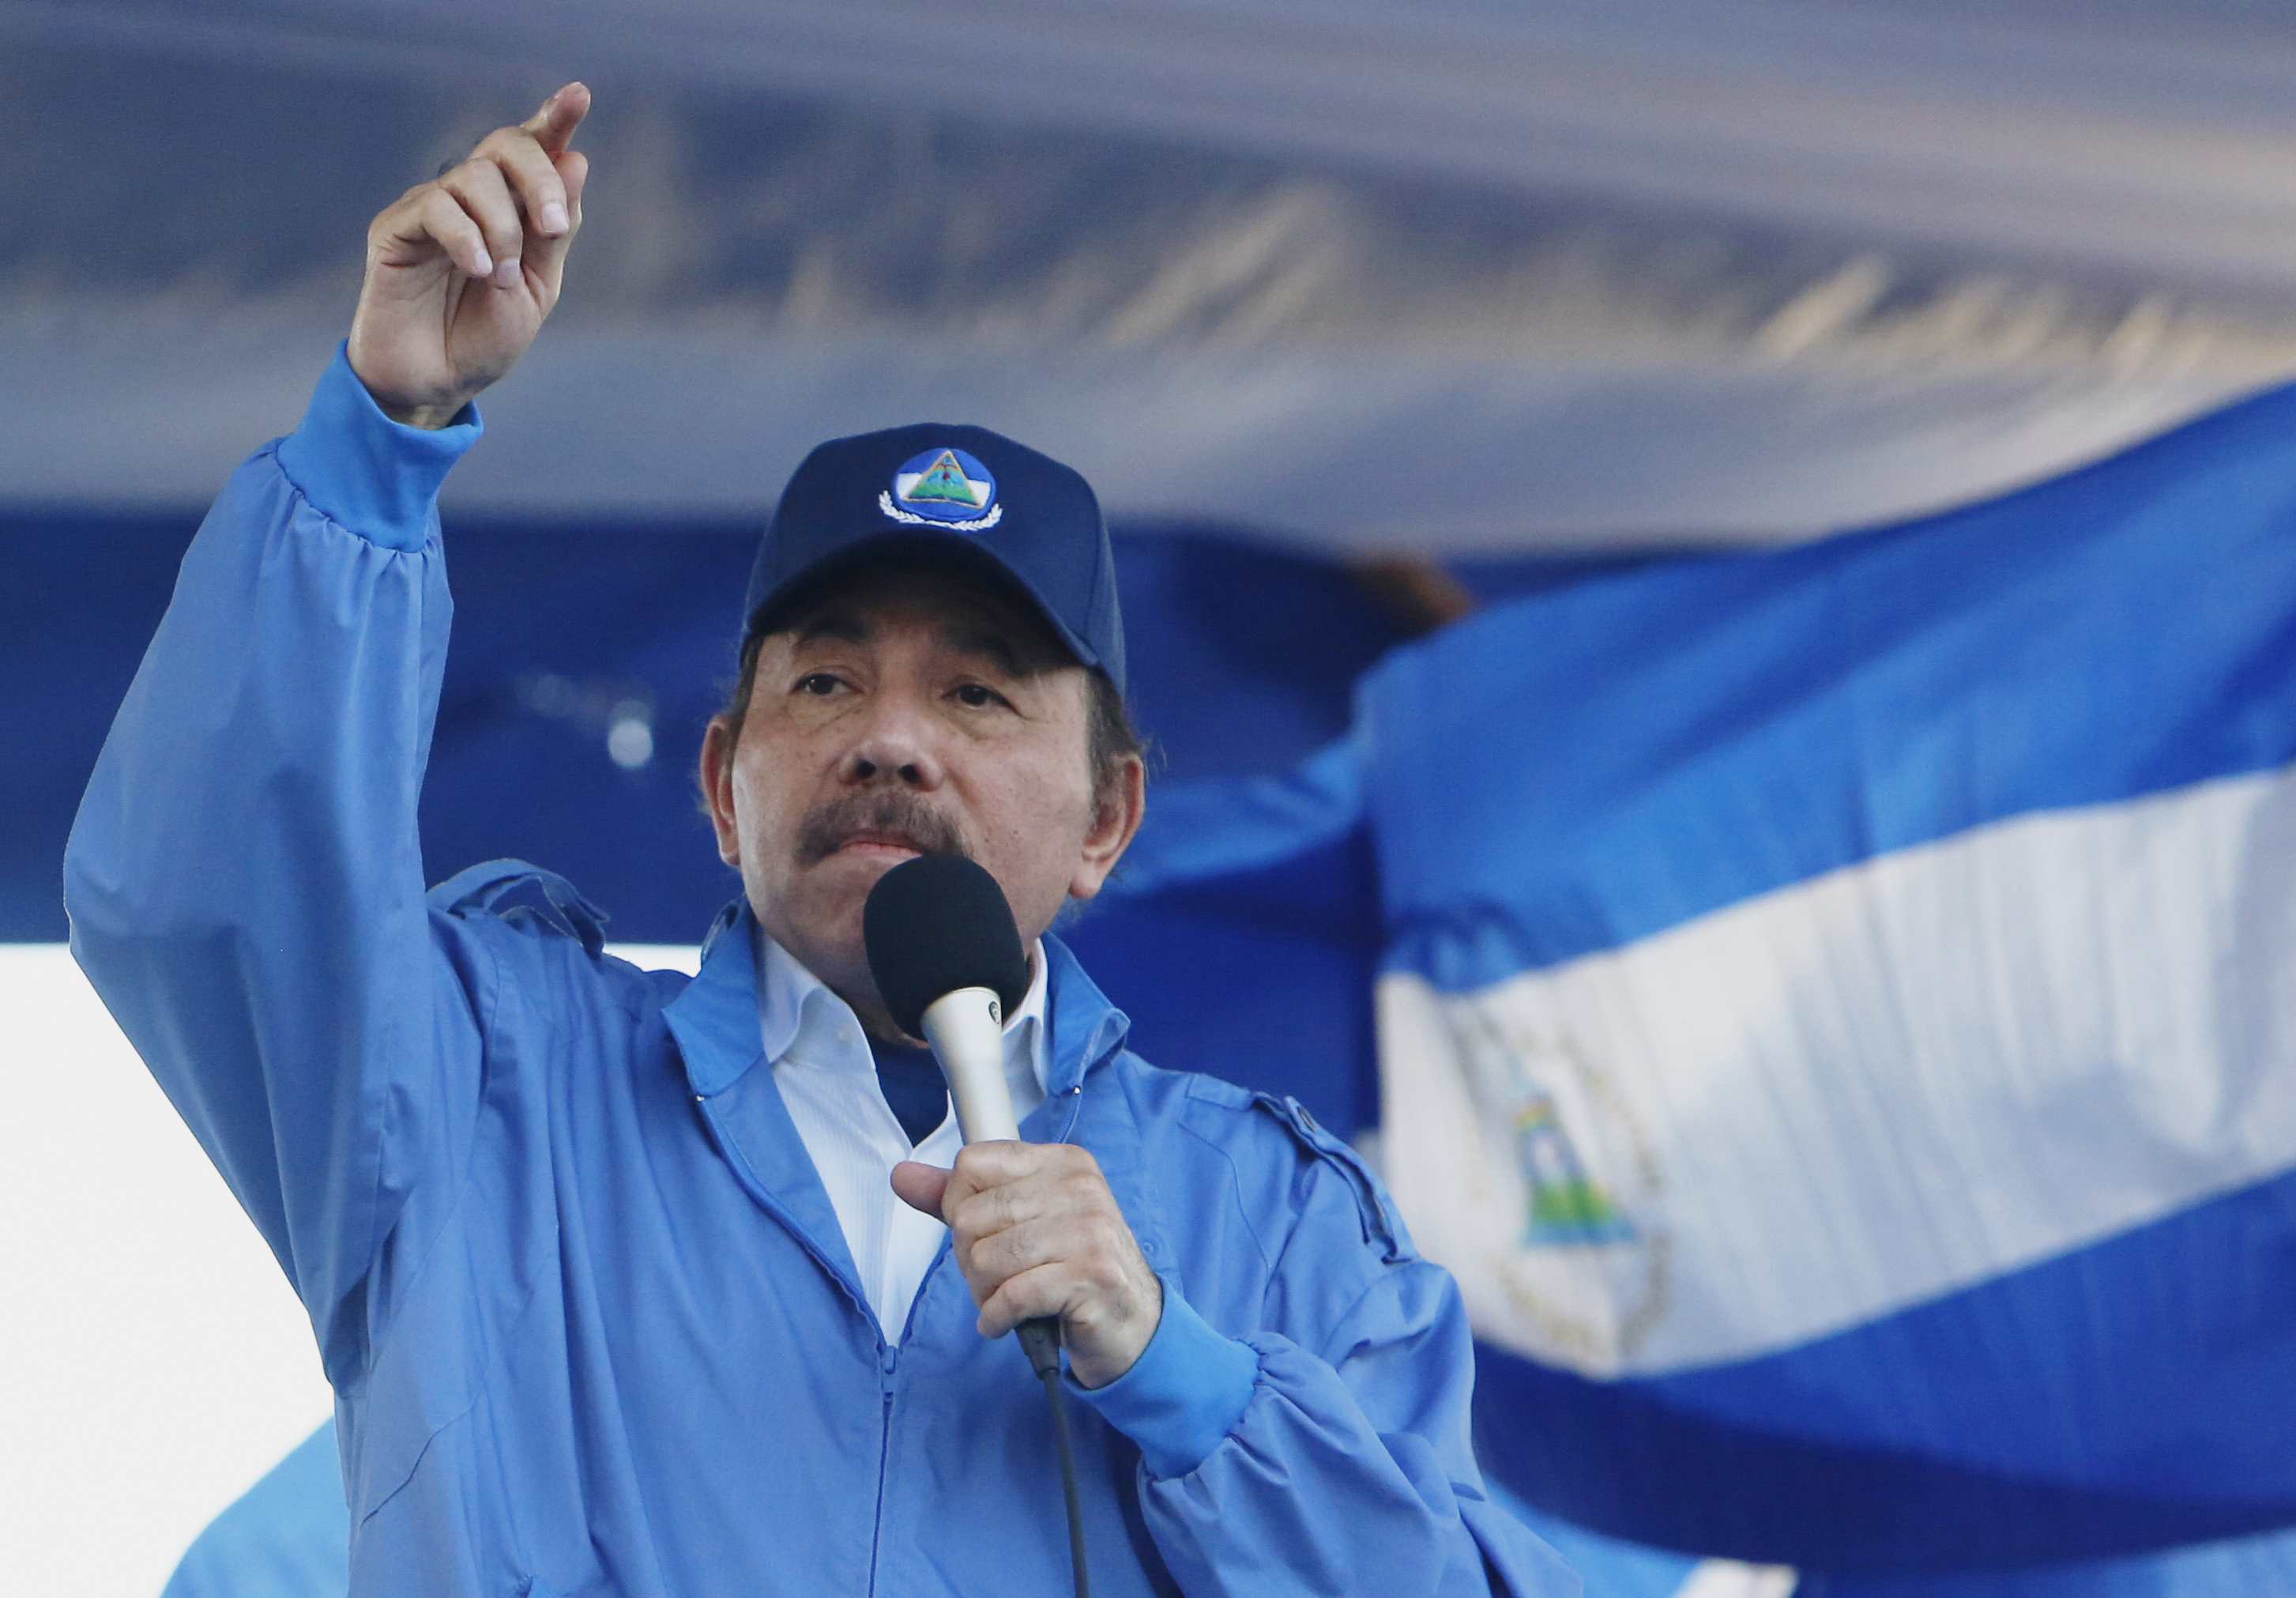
(591, 1322)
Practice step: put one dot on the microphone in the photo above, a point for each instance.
(949, 963)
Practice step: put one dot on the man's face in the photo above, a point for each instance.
(910, 711)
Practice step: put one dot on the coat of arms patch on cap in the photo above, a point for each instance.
(943, 487)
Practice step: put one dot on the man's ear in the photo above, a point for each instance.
(1123, 802)
(717, 787)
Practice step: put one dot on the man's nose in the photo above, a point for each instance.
(896, 744)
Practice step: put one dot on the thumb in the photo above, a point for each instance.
(920, 1186)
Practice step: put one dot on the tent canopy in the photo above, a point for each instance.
(1450, 277)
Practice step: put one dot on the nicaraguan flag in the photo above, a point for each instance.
(1837, 1017)
(1839, 1023)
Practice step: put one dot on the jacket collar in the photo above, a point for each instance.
(1086, 1033)
(1082, 1027)
(715, 1019)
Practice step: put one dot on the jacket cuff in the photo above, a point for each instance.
(367, 472)
(1184, 1393)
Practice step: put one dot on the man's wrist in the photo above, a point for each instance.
(429, 418)
(428, 412)
(1184, 1393)
(366, 471)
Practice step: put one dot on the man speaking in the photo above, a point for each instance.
(633, 1285)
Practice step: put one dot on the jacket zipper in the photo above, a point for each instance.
(887, 1354)
(887, 1357)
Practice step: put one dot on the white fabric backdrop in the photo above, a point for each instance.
(153, 1361)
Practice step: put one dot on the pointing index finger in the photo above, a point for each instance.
(552, 126)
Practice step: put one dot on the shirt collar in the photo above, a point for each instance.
(796, 1009)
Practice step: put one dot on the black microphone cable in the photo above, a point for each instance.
(1042, 1339)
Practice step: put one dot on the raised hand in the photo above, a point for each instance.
(461, 271)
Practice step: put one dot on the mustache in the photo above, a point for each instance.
(888, 813)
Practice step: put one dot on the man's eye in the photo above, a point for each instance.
(817, 682)
(977, 696)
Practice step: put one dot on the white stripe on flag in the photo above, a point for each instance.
(1830, 1102)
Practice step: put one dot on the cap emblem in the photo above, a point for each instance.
(944, 488)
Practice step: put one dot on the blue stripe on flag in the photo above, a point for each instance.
(1634, 752)
(2247, 1567)
(2106, 1402)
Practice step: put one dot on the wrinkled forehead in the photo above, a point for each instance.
(960, 608)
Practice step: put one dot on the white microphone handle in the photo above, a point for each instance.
(966, 1030)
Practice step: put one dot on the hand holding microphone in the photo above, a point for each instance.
(1033, 1226)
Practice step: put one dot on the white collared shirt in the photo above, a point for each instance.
(828, 1080)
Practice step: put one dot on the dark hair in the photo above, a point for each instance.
(1110, 735)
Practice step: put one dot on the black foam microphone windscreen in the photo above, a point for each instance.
(936, 924)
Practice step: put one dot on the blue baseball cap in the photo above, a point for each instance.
(952, 496)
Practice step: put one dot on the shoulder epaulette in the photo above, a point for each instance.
(1380, 1223)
